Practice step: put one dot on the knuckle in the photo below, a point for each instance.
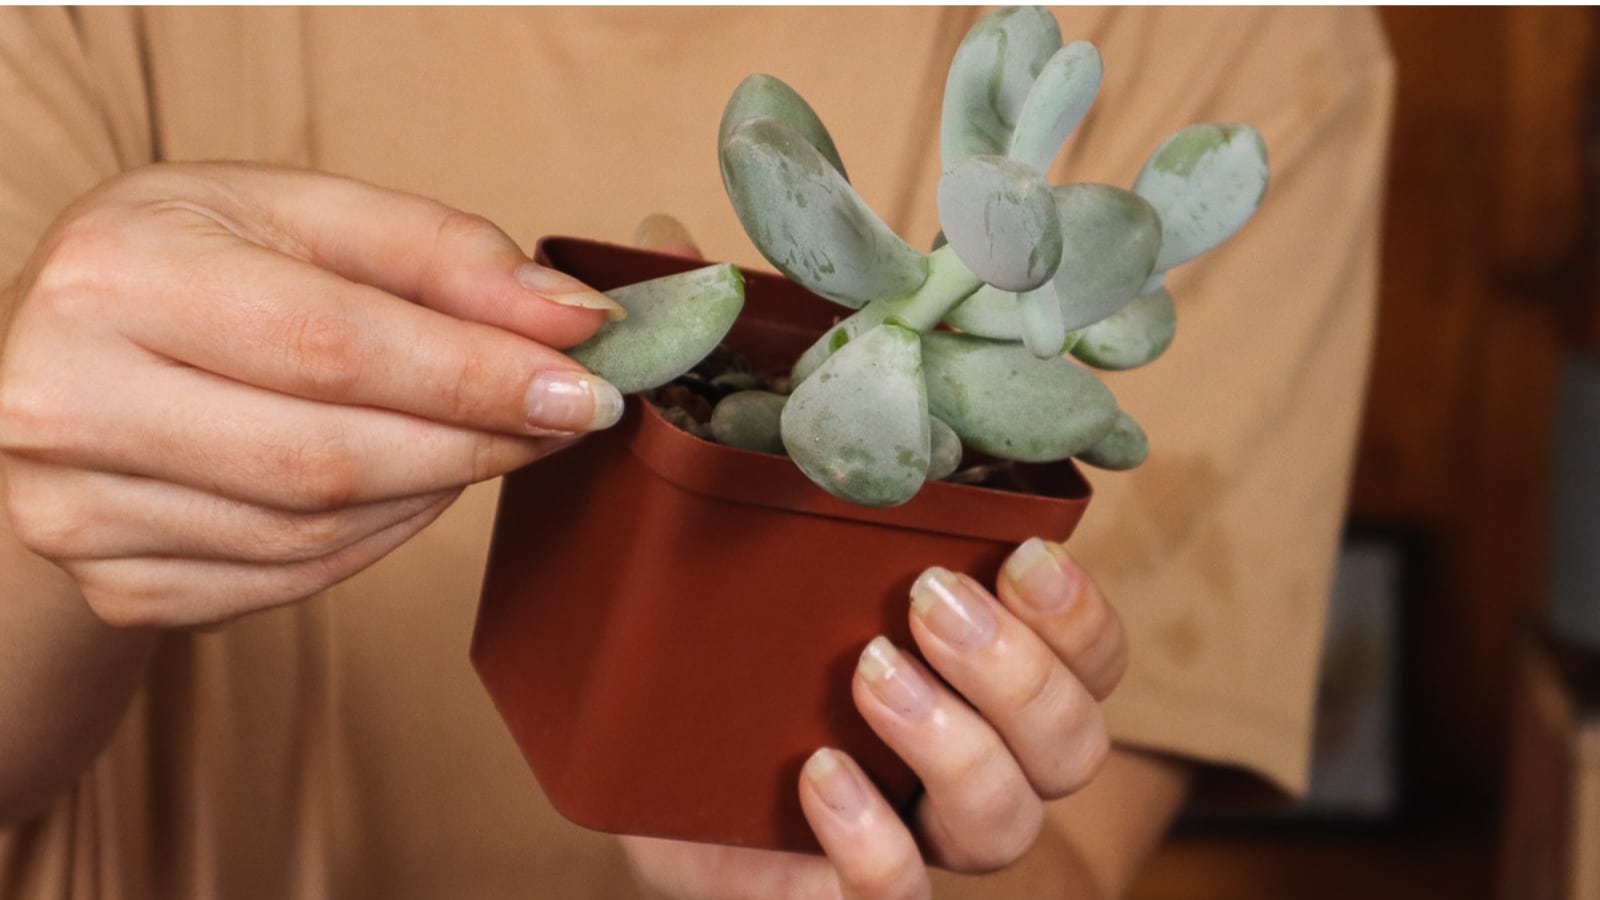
(883, 876)
(49, 530)
(324, 355)
(30, 419)
(121, 606)
(298, 538)
(1037, 691)
(460, 236)
(322, 473)
(458, 229)
(1088, 749)
(999, 846)
(78, 264)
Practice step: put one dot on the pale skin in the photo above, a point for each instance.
(160, 473)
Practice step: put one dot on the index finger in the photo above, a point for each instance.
(280, 324)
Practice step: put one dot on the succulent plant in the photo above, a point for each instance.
(968, 343)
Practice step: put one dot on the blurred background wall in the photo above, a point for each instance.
(1488, 295)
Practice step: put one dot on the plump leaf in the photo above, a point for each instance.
(1006, 402)
(1056, 103)
(989, 79)
(1132, 336)
(672, 324)
(991, 313)
(999, 217)
(859, 425)
(1043, 330)
(1112, 238)
(944, 450)
(809, 222)
(764, 95)
(1205, 182)
(869, 316)
(1124, 446)
(749, 420)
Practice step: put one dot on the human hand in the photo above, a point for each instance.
(226, 387)
(1016, 722)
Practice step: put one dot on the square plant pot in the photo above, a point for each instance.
(669, 626)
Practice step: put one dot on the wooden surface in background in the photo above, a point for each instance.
(1486, 282)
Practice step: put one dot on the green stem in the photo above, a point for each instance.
(949, 282)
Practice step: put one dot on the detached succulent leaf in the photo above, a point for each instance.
(1056, 103)
(989, 79)
(999, 217)
(1006, 402)
(764, 95)
(1205, 182)
(858, 427)
(1131, 337)
(1124, 446)
(1112, 238)
(809, 222)
(672, 324)
(749, 420)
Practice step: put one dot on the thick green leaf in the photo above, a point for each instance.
(1124, 446)
(1008, 403)
(869, 316)
(991, 313)
(1112, 238)
(1043, 331)
(672, 324)
(989, 79)
(1206, 182)
(764, 95)
(809, 222)
(1131, 337)
(999, 217)
(1056, 103)
(944, 450)
(749, 420)
(859, 425)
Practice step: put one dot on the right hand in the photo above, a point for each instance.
(227, 387)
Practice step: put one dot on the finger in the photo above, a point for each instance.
(277, 323)
(176, 593)
(1051, 723)
(979, 813)
(872, 852)
(263, 448)
(455, 262)
(1042, 585)
(63, 513)
(664, 234)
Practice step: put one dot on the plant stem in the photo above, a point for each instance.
(949, 282)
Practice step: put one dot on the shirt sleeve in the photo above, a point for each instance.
(75, 113)
(1219, 550)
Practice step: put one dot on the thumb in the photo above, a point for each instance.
(454, 262)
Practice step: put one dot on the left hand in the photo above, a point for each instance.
(1019, 724)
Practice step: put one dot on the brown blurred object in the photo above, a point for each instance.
(1550, 842)
(1487, 280)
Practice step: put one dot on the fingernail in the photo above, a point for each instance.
(899, 685)
(664, 234)
(1038, 577)
(558, 287)
(836, 784)
(572, 401)
(949, 608)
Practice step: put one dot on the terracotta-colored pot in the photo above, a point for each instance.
(669, 626)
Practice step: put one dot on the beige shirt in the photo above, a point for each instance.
(343, 747)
